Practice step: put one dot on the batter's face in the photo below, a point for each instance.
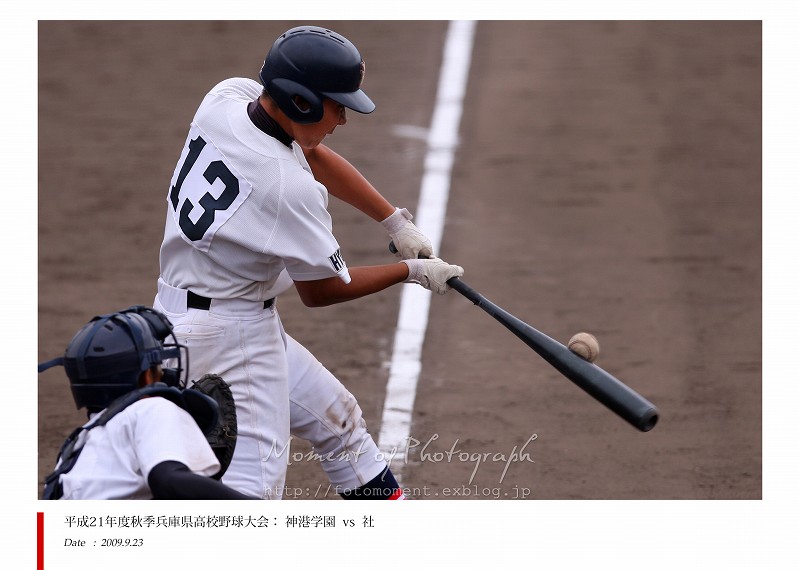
(310, 136)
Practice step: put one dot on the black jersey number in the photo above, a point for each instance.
(216, 170)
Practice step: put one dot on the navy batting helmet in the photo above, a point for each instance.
(106, 357)
(314, 63)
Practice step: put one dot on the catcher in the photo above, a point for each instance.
(115, 372)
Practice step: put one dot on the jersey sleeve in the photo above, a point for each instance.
(164, 432)
(303, 237)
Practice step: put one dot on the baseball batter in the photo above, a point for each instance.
(114, 367)
(246, 218)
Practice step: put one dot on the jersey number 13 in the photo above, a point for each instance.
(204, 192)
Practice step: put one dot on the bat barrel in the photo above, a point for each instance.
(595, 381)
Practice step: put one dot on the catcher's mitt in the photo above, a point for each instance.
(221, 437)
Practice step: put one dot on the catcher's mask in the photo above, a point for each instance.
(106, 357)
(314, 63)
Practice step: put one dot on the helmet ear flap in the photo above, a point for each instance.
(284, 91)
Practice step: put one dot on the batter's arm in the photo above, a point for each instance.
(431, 273)
(363, 281)
(346, 183)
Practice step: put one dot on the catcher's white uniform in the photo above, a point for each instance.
(116, 458)
(243, 213)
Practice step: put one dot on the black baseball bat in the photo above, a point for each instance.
(602, 386)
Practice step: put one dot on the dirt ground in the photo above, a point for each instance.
(608, 180)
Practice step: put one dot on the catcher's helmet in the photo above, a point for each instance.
(105, 358)
(314, 63)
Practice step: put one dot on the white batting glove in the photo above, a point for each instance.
(408, 240)
(432, 273)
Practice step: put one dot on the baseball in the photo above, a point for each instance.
(585, 345)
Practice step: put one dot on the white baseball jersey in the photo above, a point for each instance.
(117, 458)
(245, 219)
(242, 207)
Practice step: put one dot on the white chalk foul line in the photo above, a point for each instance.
(412, 321)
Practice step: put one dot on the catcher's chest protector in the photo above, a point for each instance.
(72, 447)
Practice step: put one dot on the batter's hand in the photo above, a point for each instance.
(432, 273)
(409, 241)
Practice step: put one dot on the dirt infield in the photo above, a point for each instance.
(608, 180)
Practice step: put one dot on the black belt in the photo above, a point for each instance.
(195, 301)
